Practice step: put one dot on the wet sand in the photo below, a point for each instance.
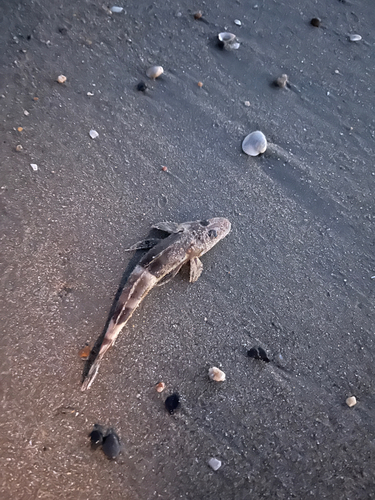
(294, 276)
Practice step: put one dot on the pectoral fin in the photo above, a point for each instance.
(144, 244)
(169, 276)
(196, 268)
(168, 227)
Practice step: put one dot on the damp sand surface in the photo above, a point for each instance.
(293, 276)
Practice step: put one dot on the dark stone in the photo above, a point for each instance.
(111, 445)
(96, 436)
(258, 353)
(142, 86)
(172, 403)
(315, 21)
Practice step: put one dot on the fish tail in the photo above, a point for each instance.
(108, 341)
(90, 377)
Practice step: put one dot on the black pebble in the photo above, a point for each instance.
(258, 353)
(315, 21)
(111, 445)
(63, 31)
(141, 86)
(172, 403)
(96, 436)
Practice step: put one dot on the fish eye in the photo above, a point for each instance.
(212, 233)
(204, 222)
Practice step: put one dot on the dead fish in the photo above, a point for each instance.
(186, 243)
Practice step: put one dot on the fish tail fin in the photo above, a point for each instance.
(90, 377)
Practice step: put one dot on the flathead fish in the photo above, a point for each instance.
(186, 243)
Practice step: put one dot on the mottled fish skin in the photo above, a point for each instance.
(188, 242)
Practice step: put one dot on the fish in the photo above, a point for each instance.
(186, 243)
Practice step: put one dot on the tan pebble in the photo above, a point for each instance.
(19, 147)
(351, 401)
(160, 387)
(164, 169)
(200, 84)
(216, 374)
(84, 353)
(198, 14)
(61, 78)
(19, 129)
(282, 81)
(154, 72)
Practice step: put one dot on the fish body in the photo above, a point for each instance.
(186, 243)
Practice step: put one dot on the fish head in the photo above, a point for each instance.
(206, 233)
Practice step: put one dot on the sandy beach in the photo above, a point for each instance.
(296, 274)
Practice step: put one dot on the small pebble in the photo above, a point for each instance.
(34, 166)
(93, 134)
(61, 79)
(172, 403)
(214, 463)
(84, 353)
(247, 103)
(355, 38)
(116, 10)
(200, 84)
(19, 147)
(96, 436)
(216, 374)
(315, 21)
(90, 94)
(111, 445)
(198, 14)
(160, 387)
(154, 72)
(35, 98)
(258, 353)
(141, 86)
(164, 169)
(254, 144)
(282, 81)
(351, 401)
(26, 113)
(19, 129)
(238, 22)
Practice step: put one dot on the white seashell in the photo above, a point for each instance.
(214, 463)
(61, 78)
(235, 46)
(355, 38)
(351, 401)
(93, 134)
(154, 72)
(238, 22)
(34, 166)
(216, 374)
(226, 37)
(116, 10)
(254, 143)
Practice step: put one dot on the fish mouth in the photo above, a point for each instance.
(221, 225)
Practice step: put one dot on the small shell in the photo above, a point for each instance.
(93, 134)
(154, 72)
(19, 147)
(282, 81)
(216, 374)
(34, 166)
(238, 22)
(160, 387)
(226, 37)
(214, 463)
(61, 78)
(355, 38)
(351, 401)
(117, 10)
(254, 143)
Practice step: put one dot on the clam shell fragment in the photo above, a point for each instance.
(355, 38)
(154, 72)
(216, 374)
(254, 144)
(228, 40)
